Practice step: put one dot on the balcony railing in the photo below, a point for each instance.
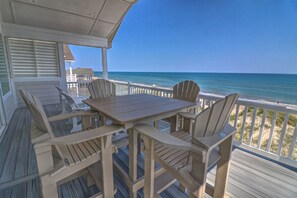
(267, 129)
(71, 78)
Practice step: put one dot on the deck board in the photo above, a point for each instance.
(250, 176)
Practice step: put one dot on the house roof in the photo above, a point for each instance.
(68, 56)
(95, 18)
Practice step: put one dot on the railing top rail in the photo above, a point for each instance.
(291, 109)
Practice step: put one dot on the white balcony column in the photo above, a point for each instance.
(63, 81)
(70, 69)
(104, 63)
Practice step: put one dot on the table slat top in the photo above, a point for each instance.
(135, 107)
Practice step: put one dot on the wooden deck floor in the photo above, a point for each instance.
(250, 176)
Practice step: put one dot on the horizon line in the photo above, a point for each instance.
(201, 72)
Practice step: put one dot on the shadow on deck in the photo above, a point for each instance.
(250, 176)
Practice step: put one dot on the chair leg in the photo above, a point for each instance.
(156, 124)
(182, 187)
(49, 189)
(187, 125)
(173, 126)
(90, 180)
(199, 172)
(86, 124)
(223, 168)
(149, 168)
(107, 167)
(138, 144)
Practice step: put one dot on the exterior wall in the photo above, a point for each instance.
(44, 89)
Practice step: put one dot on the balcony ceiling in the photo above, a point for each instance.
(99, 18)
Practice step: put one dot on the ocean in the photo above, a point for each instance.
(269, 87)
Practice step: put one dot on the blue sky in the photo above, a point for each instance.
(246, 36)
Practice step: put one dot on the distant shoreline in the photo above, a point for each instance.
(195, 72)
(272, 88)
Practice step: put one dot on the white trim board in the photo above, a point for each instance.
(21, 31)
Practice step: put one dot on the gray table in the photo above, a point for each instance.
(129, 110)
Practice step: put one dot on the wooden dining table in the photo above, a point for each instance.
(129, 110)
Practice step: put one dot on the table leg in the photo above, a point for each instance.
(132, 159)
(138, 144)
(173, 123)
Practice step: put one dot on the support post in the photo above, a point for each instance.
(63, 82)
(104, 63)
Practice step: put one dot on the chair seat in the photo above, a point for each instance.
(175, 158)
(75, 153)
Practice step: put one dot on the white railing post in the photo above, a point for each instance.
(104, 63)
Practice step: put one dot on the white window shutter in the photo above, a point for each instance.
(33, 58)
(47, 59)
(22, 57)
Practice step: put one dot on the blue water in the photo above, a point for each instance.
(269, 87)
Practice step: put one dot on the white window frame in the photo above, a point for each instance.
(7, 67)
(2, 115)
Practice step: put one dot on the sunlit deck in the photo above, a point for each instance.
(250, 176)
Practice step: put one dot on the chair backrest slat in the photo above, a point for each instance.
(187, 90)
(59, 89)
(69, 100)
(102, 88)
(213, 119)
(37, 111)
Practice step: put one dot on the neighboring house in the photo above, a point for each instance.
(69, 59)
(83, 73)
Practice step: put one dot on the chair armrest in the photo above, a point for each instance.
(64, 116)
(168, 140)
(212, 142)
(83, 136)
(187, 115)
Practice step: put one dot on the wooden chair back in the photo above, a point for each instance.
(59, 89)
(102, 88)
(37, 112)
(213, 119)
(187, 90)
(69, 99)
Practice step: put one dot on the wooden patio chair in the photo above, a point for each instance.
(188, 91)
(102, 88)
(61, 159)
(70, 105)
(188, 157)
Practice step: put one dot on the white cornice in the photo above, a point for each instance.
(21, 31)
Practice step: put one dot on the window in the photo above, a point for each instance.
(3, 70)
(31, 58)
